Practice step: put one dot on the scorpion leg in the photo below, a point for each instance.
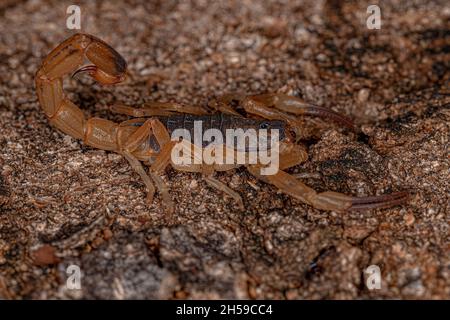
(224, 103)
(155, 127)
(164, 190)
(158, 109)
(162, 160)
(138, 112)
(208, 171)
(213, 182)
(175, 107)
(291, 154)
(133, 141)
(137, 166)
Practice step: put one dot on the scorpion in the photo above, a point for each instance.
(145, 141)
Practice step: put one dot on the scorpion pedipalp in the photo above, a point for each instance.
(273, 105)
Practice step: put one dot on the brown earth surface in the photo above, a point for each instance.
(63, 203)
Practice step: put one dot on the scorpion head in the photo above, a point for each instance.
(255, 132)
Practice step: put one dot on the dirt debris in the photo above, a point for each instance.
(89, 204)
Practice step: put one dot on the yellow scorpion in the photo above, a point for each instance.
(146, 139)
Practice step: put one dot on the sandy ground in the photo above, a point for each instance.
(63, 203)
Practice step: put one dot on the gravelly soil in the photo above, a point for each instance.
(63, 203)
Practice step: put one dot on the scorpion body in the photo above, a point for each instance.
(147, 137)
(218, 121)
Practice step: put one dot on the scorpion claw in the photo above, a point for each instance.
(377, 202)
